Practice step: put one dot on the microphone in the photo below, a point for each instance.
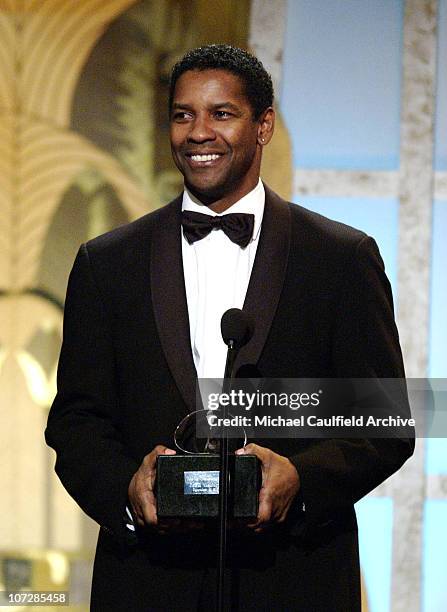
(237, 328)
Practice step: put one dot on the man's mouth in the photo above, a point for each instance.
(204, 158)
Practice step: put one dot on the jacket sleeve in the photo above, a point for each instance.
(336, 473)
(91, 462)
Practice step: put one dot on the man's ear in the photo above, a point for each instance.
(266, 126)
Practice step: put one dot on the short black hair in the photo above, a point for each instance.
(256, 80)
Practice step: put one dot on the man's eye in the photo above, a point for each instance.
(222, 114)
(181, 116)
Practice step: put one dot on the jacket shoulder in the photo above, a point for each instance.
(313, 227)
(326, 231)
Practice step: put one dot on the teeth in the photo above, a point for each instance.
(204, 158)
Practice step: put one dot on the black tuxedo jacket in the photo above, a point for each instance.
(322, 307)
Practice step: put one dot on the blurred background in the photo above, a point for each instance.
(361, 91)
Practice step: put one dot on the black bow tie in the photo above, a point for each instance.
(237, 226)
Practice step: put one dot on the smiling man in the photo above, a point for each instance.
(142, 321)
(217, 136)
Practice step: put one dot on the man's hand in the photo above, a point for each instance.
(280, 484)
(142, 497)
(141, 489)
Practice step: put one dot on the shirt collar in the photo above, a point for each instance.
(252, 203)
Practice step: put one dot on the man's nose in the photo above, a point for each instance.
(201, 130)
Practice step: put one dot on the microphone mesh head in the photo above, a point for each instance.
(236, 326)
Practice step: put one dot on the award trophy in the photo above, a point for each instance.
(188, 482)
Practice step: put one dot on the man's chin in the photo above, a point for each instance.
(207, 194)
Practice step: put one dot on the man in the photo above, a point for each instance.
(142, 317)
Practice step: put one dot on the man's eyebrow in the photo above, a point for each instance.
(180, 105)
(185, 106)
(229, 105)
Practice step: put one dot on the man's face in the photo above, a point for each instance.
(214, 138)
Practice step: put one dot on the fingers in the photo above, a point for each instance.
(261, 452)
(280, 484)
(265, 500)
(151, 459)
(149, 508)
(264, 512)
(163, 450)
(134, 501)
(141, 487)
(142, 499)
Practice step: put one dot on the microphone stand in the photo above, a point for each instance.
(224, 482)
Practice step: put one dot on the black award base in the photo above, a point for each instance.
(188, 486)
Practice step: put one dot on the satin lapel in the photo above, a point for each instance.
(267, 277)
(169, 300)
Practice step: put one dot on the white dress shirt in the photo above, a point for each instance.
(217, 272)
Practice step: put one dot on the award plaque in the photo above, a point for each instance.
(188, 486)
(187, 483)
